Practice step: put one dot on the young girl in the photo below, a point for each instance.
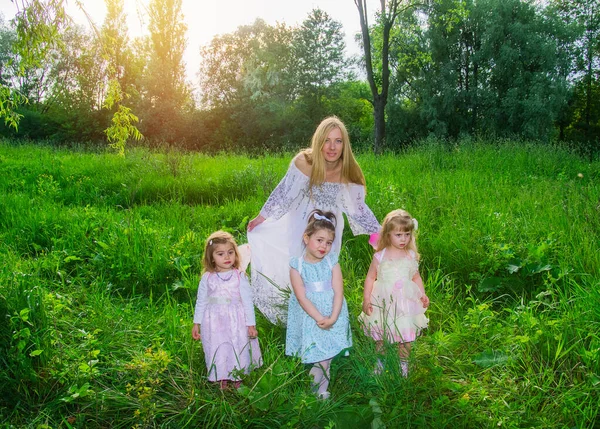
(317, 325)
(224, 316)
(394, 297)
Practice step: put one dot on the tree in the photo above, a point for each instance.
(388, 13)
(248, 79)
(120, 78)
(584, 16)
(318, 48)
(38, 26)
(166, 94)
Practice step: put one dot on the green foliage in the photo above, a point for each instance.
(101, 257)
(122, 128)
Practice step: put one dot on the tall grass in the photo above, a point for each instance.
(101, 259)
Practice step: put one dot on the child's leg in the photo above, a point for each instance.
(404, 354)
(379, 364)
(320, 374)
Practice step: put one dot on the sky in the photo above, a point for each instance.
(207, 18)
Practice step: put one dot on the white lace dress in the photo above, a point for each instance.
(279, 237)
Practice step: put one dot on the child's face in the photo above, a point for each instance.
(224, 256)
(400, 239)
(319, 244)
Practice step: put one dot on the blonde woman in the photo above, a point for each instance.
(325, 176)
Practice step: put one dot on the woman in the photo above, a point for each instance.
(326, 177)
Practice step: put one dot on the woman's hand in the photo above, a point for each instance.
(425, 301)
(367, 307)
(196, 332)
(255, 222)
(252, 332)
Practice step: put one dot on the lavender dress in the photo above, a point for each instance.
(224, 311)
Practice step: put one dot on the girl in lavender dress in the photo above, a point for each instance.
(224, 317)
(317, 323)
(325, 176)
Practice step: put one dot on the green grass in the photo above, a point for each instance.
(101, 259)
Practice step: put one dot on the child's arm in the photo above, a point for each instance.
(300, 292)
(369, 281)
(246, 295)
(200, 306)
(337, 283)
(419, 281)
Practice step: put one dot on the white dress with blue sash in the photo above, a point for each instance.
(304, 338)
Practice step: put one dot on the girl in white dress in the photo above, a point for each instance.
(326, 177)
(394, 298)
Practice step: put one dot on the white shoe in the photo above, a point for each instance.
(378, 367)
(323, 396)
(404, 367)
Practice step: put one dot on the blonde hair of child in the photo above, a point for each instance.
(218, 237)
(351, 172)
(398, 221)
(319, 222)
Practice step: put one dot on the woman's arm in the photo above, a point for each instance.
(360, 217)
(289, 189)
(368, 290)
(300, 292)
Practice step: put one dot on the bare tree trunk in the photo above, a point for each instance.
(388, 15)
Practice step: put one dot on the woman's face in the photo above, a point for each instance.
(333, 146)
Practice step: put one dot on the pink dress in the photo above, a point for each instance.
(398, 313)
(224, 311)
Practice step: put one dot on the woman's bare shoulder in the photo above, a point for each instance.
(302, 164)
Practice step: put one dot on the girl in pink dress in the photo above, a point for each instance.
(224, 317)
(394, 298)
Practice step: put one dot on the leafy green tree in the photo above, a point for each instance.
(166, 95)
(495, 68)
(584, 17)
(247, 78)
(38, 25)
(120, 75)
(318, 48)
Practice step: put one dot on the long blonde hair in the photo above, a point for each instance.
(351, 172)
(218, 237)
(398, 220)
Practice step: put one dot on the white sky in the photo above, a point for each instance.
(207, 18)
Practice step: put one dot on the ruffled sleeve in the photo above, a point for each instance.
(201, 299)
(246, 295)
(292, 187)
(294, 263)
(333, 258)
(360, 217)
(413, 255)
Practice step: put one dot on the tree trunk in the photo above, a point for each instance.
(379, 117)
(387, 17)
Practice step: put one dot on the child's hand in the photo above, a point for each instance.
(252, 332)
(196, 332)
(326, 323)
(367, 307)
(425, 301)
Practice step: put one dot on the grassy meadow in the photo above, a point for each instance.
(101, 259)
